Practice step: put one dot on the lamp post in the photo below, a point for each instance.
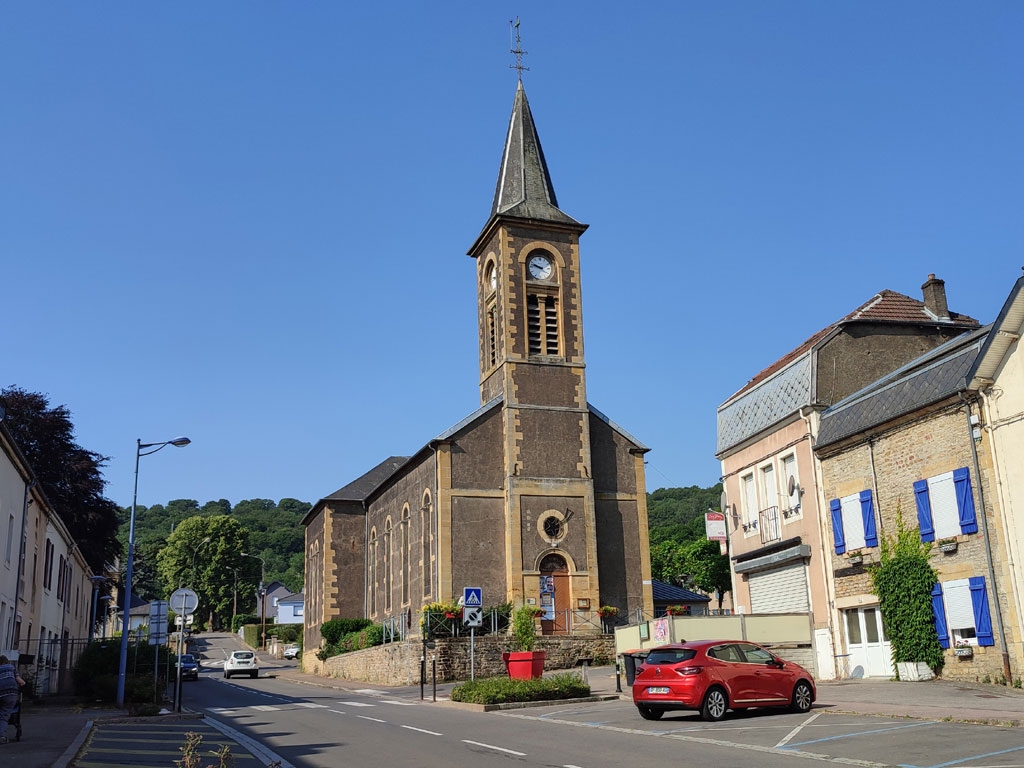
(263, 599)
(122, 667)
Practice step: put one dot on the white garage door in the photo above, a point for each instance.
(782, 590)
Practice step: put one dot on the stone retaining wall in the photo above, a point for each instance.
(399, 663)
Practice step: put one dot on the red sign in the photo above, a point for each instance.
(714, 526)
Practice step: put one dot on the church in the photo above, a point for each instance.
(536, 497)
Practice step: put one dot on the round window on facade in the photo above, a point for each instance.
(552, 526)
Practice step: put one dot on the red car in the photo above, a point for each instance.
(715, 675)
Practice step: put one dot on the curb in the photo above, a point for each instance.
(525, 704)
(75, 747)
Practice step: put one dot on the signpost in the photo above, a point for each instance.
(472, 617)
(183, 602)
(157, 634)
(714, 528)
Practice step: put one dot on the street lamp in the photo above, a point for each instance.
(122, 668)
(263, 599)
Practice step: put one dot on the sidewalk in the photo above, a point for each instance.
(54, 737)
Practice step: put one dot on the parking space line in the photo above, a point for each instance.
(797, 730)
(973, 757)
(861, 733)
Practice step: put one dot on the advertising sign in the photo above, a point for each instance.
(714, 526)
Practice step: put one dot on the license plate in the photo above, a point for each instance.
(659, 689)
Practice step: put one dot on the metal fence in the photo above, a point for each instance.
(46, 665)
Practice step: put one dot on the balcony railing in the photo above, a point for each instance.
(769, 525)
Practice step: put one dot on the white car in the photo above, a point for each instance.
(291, 651)
(242, 663)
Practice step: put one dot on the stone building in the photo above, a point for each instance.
(534, 497)
(766, 436)
(906, 446)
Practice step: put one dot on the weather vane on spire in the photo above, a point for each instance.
(518, 50)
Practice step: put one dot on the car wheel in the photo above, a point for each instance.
(227, 676)
(715, 704)
(649, 713)
(802, 697)
(253, 675)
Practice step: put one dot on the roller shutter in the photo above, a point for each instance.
(780, 590)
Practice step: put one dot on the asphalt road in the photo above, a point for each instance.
(312, 727)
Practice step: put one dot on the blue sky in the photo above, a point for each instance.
(247, 222)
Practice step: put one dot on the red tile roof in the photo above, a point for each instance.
(884, 306)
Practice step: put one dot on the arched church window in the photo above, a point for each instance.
(427, 532)
(371, 576)
(406, 554)
(387, 565)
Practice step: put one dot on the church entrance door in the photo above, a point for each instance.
(555, 572)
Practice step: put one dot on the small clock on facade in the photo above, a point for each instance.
(540, 267)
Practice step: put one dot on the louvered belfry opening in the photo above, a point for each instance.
(542, 324)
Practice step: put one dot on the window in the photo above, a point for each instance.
(48, 565)
(755, 654)
(10, 539)
(749, 499)
(492, 339)
(61, 573)
(961, 612)
(945, 505)
(790, 480)
(771, 494)
(298, 610)
(542, 324)
(853, 522)
(372, 572)
(427, 529)
(406, 555)
(387, 565)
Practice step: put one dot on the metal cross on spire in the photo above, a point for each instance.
(518, 50)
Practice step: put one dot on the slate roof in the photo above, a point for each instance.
(936, 375)
(524, 187)
(669, 593)
(363, 486)
(884, 307)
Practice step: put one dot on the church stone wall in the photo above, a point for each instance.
(534, 543)
(478, 547)
(549, 443)
(345, 576)
(407, 490)
(476, 455)
(316, 582)
(618, 553)
(614, 468)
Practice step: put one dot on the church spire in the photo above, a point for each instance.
(524, 188)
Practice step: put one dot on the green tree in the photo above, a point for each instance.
(70, 475)
(708, 569)
(203, 554)
(668, 562)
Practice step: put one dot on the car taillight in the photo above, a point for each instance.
(688, 671)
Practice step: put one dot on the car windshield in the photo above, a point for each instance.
(242, 654)
(670, 656)
(187, 658)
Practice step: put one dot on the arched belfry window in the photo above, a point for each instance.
(542, 326)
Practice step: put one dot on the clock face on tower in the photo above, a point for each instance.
(539, 267)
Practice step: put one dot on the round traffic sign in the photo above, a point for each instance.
(184, 601)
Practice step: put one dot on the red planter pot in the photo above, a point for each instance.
(524, 665)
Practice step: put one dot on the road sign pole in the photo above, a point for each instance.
(472, 653)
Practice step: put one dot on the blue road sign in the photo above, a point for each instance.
(472, 597)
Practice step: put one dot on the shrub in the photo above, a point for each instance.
(332, 631)
(367, 636)
(524, 628)
(500, 690)
(96, 671)
(286, 633)
(240, 621)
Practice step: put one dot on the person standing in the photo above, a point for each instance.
(10, 684)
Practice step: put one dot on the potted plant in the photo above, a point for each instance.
(963, 649)
(947, 545)
(608, 614)
(523, 662)
(678, 610)
(856, 557)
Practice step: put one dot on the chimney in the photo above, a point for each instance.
(934, 291)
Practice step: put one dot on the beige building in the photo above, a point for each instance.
(535, 497)
(772, 481)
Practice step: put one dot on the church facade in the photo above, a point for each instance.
(535, 497)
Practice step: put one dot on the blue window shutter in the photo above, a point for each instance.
(939, 610)
(982, 617)
(924, 511)
(867, 510)
(837, 525)
(965, 500)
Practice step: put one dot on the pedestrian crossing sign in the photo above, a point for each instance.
(472, 597)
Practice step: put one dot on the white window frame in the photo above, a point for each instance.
(853, 523)
(769, 486)
(945, 513)
(960, 622)
(748, 493)
(789, 470)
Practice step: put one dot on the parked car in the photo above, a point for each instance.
(189, 667)
(713, 676)
(291, 651)
(242, 663)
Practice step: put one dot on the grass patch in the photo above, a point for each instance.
(502, 690)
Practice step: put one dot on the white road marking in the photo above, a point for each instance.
(422, 730)
(222, 710)
(337, 712)
(310, 705)
(399, 703)
(357, 704)
(491, 746)
(264, 708)
(369, 692)
(375, 719)
(797, 730)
